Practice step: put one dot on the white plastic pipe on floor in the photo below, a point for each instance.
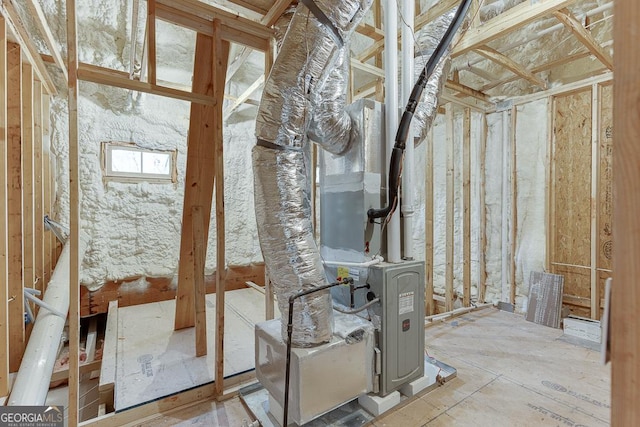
(429, 320)
(391, 116)
(408, 47)
(32, 382)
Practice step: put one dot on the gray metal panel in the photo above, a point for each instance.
(401, 339)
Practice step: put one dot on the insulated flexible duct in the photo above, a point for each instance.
(311, 49)
(428, 39)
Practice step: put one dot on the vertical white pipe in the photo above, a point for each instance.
(391, 115)
(408, 12)
(504, 230)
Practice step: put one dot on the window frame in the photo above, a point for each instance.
(108, 174)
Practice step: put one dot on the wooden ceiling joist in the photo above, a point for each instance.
(244, 96)
(584, 36)
(510, 64)
(199, 16)
(45, 31)
(503, 24)
(14, 23)
(468, 91)
(275, 12)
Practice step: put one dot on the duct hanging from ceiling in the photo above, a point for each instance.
(427, 40)
(305, 90)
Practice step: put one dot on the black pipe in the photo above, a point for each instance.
(395, 166)
(292, 298)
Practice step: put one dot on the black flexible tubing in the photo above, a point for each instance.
(287, 376)
(397, 155)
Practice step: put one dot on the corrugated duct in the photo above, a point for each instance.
(428, 38)
(302, 74)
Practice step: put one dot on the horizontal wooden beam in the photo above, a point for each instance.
(514, 18)
(584, 36)
(234, 28)
(106, 76)
(367, 68)
(159, 289)
(14, 23)
(275, 12)
(468, 91)
(510, 65)
(370, 31)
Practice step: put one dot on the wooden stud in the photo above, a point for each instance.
(4, 287)
(514, 205)
(428, 224)
(508, 21)
(14, 206)
(510, 65)
(38, 189)
(151, 41)
(466, 207)
(41, 21)
(199, 178)
(377, 22)
(482, 227)
(199, 254)
(449, 210)
(135, 9)
(552, 234)
(276, 11)
(625, 323)
(27, 176)
(595, 199)
(29, 50)
(584, 36)
(46, 181)
(220, 60)
(74, 216)
(548, 185)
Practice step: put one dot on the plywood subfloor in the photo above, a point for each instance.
(510, 372)
(153, 360)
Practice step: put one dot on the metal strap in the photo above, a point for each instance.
(324, 20)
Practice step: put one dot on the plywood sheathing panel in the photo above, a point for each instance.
(572, 188)
(605, 204)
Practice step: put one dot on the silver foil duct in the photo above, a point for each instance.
(428, 39)
(309, 53)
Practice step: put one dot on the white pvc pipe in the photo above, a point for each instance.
(391, 116)
(458, 311)
(375, 260)
(408, 11)
(32, 382)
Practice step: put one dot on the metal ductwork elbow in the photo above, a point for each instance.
(305, 91)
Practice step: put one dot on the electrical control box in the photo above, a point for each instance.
(400, 288)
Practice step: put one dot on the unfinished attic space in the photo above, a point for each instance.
(319, 213)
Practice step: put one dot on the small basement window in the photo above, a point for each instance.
(126, 161)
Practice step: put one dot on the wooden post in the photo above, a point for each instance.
(38, 190)
(625, 322)
(151, 40)
(14, 206)
(27, 176)
(449, 210)
(220, 60)
(514, 206)
(199, 254)
(482, 227)
(198, 190)
(595, 199)
(4, 287)
(466, 207)
(548, 186)
(428, 226)
(74, 217)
